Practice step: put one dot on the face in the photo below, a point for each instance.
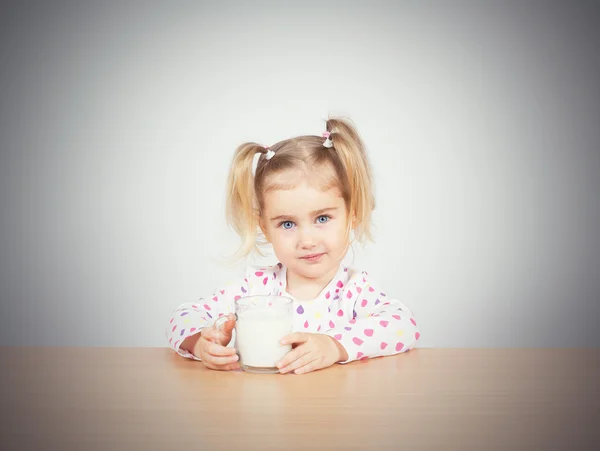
(306, 226)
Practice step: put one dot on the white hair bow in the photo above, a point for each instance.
(270, 154)
(328, 142)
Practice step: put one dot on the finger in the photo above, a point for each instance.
(286, 364)
(221, 360)
(232, 367)
(209, 333)
(296, 337)
(216, 336)
(223, 334)
(311, 366)
(219, 350)
(304, 360)
(228, 367)
(228, 326)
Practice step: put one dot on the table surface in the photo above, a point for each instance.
(151, 398)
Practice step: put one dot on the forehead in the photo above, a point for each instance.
(291, 192)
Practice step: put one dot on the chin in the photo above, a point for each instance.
(314, 269)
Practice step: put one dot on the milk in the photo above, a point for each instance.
(258, 332)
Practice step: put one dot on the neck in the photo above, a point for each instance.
(308, 288)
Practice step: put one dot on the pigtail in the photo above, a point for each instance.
(241, 206)
(350, 150)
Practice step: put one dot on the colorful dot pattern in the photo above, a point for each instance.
(350, 309)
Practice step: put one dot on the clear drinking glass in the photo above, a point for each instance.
(261, 321)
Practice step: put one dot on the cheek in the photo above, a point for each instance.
(281, 238)
(335, 236)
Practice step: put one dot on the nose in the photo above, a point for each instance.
(306, 237)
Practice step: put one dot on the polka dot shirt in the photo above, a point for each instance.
(351, 309)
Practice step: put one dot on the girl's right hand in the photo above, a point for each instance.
(212, 349)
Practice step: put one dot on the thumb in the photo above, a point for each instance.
(295, 338)
(209, 333)
(228, 327)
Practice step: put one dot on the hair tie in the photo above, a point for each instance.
(270, 154)
(328, 142)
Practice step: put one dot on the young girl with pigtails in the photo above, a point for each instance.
(308, 197)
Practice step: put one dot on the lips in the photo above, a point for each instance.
(311, 256)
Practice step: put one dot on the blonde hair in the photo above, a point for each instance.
(351, 175)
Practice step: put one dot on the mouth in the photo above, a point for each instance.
(312, 257)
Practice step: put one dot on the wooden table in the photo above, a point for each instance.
(438, 399)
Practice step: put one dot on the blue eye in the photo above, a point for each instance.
(322, 219)
(287, 225)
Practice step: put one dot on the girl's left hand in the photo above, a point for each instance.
(311, 352)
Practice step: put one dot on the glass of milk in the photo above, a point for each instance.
(261, 321)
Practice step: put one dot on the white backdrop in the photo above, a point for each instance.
(118, 123)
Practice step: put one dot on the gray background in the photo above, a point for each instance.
(118, 121)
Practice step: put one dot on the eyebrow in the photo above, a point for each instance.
(313, 213)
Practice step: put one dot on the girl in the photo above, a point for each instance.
(306, 196)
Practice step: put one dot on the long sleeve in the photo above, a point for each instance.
(190, 318)
(379, 325)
